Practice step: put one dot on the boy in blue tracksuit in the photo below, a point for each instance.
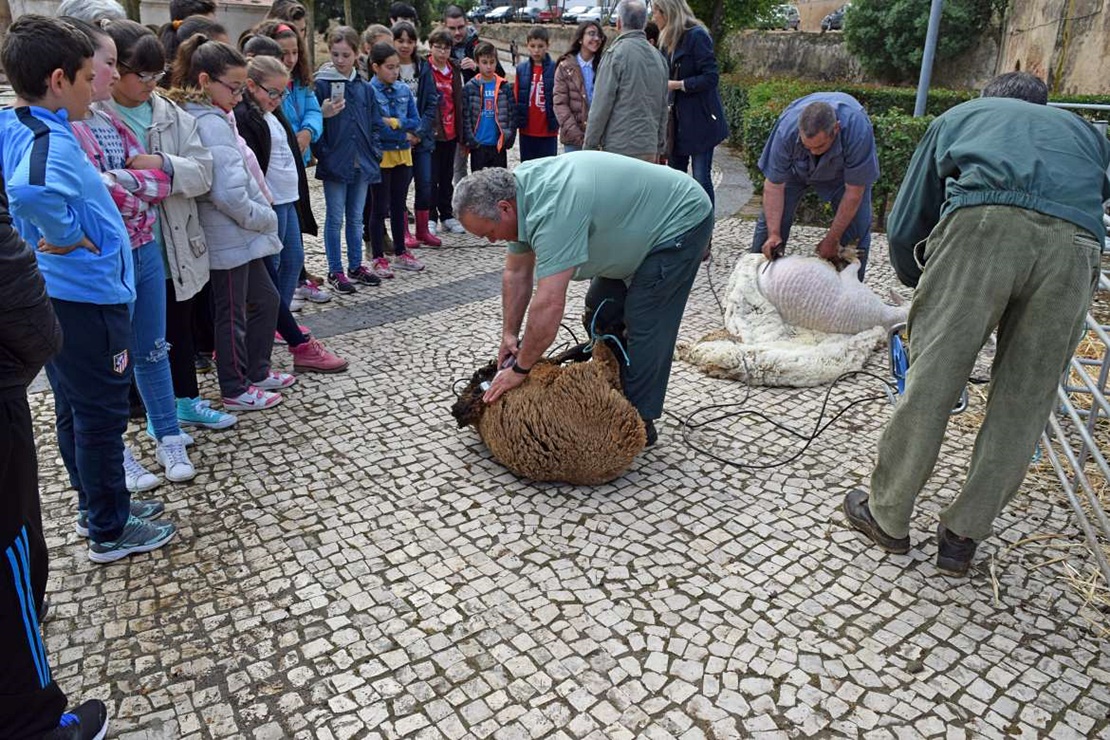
(59, 203)
(535, 100)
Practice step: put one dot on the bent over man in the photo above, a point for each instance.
(637, 231)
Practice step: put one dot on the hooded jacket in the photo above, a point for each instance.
(29, 333)
(427, 105)
(302, 110)
(629, 111)
(239, 224)
(350, 148)
(256, 132)
(56, 195)
(456, 97)
(472, 112)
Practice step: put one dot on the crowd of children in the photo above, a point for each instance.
(191, 211)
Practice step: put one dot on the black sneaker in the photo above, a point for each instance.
(652, 435)
(340, 284)
(363, 275)
(204, 362)
(954, 553)
(859, 517)
(89, 721)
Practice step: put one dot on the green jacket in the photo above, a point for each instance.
(999, 151)
(628, 114)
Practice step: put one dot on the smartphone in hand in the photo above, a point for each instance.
(336, 91)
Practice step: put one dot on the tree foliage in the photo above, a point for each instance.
(722, 16)
(888, 36)
(365, 12)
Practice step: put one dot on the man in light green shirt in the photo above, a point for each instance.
(637, 231)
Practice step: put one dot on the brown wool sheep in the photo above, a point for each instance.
(567, 423)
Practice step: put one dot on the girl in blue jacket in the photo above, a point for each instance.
(347, 156)
(400, 118)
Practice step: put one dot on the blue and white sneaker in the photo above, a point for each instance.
(137, 478)
(138, 535)
(87, 721)
(139, 508)
(197, 412)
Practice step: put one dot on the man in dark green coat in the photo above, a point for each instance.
(999, 225)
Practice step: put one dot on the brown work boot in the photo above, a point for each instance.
(954, 553)
(859, 517)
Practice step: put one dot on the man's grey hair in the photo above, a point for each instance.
(91, 11)
(478, 194)
(817, 118)
(632, 15)
(1020, 85)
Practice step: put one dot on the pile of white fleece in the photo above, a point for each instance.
(760, 348)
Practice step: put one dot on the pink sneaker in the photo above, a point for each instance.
(380, 266)
(407, 262)
(276, 381)
(311, 357)
(253, 399)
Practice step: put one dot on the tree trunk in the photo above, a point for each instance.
(132, 8)
(310, 32)
(348, 13)
(5, 17)
(717, 20)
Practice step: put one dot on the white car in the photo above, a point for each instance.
(595, 13)
(571, 16)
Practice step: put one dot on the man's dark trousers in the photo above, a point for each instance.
(647, 312)
(91, 377)
(30, 700)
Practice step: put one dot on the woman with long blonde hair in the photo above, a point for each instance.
(698, 116)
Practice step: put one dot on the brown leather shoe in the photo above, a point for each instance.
(954, 553)
(859, 517)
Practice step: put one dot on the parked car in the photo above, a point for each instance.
(834, 21)
(528, 15)
(570, 17)
(478, 14)
(551, 15)
(595, 13)
(784, 17)
(500, 14)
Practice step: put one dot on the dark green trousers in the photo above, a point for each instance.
(646, 313)
(1032, 277)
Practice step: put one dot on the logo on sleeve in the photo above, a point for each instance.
(119, 363)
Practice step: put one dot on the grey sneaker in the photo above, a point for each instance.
(141, 509)
(138, 535)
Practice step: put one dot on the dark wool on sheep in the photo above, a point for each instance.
(564, 423)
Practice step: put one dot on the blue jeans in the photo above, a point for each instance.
(422, 176)
(290, 260)
(344, 199)
(703, 167)
(149, 350)
(860, 228)
(568, 148)
(91, 378)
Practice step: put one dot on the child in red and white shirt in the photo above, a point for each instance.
(449, 84)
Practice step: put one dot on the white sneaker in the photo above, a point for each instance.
(136, 477)
(433, 229)
(296, 305)
(276, 381)
(312, 293)
(175, 460)
(453, 226)
(253, 399)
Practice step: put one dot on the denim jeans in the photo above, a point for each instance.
(290, 260)
(422, 176)
(536, 147)
(286, 326)
(703, 168)
(91, 378)
(149, 349)
(344, 199)
(569, 148)
(860, 228)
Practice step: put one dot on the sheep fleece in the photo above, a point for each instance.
(564, 423)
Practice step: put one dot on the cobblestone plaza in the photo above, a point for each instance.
(350, 564)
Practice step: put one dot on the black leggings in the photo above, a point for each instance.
(180, 337)
(443, 170)
(389, 198)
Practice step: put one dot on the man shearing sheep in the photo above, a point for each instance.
(999, 225)
(636, 230)
(822, 141)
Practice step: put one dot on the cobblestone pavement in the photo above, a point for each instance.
(351, 565)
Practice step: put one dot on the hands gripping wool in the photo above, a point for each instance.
(796, 322)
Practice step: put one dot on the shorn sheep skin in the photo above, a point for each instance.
(567, 423)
